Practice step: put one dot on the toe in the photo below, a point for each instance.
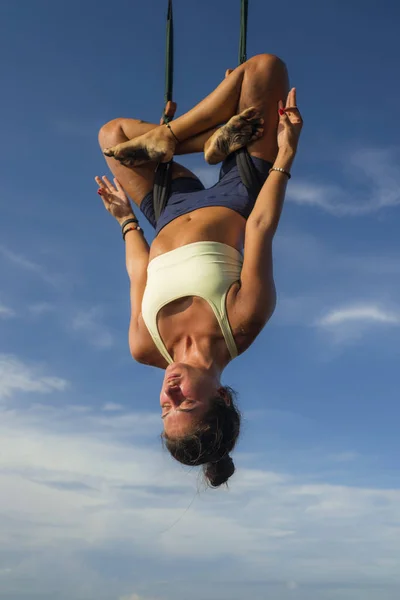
(249, 113)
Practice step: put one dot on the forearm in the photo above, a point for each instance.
(137, 253)
(268, 207)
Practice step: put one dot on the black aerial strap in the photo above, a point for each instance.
(248, 172)
(163, 174)
(244, 11)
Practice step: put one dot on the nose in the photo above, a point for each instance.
(173, 390)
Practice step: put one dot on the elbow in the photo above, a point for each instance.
(264, 225)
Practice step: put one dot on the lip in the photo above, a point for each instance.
(175, 376)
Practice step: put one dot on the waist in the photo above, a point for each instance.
(216, 224)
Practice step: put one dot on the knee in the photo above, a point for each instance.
(110, 133)
(268, 63)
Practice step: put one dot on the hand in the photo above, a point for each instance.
(290, 123)
(169, 111)
(114, 199)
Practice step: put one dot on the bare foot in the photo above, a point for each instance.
(240, 131)
(156, 145)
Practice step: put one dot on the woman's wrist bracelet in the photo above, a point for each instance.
(288, 175)
(137, 228)
(125, 223)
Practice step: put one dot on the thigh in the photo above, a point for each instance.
(266, 82)
(137, 181)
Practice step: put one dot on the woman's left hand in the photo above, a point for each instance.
(290, 123)
(114, 199)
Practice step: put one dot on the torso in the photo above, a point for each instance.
(213, 223)
(194, 314)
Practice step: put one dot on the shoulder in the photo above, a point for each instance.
(246, 335)
(246, 325)
(143, 348)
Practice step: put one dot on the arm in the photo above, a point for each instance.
(268, 207)
(256, 298)
(136, 251)
(137, 259)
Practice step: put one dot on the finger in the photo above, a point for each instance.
(282, 115)
(291, 99)
(106, 197)
(100, 183)
(170, 109)
(119, 187)
(108, 184)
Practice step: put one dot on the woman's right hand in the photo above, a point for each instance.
(290, 123)
(115, 199)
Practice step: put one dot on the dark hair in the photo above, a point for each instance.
(211, 441)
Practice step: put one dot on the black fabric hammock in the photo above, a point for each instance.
(163, 174)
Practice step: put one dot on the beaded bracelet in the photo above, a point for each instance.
(134, 220)
(131, 229)
(281, 171)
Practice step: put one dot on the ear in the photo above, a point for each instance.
(224, 395)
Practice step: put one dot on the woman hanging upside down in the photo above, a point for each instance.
(204, 290)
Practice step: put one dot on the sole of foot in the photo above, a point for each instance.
(240, 131)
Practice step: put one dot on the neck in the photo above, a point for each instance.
(204, 353)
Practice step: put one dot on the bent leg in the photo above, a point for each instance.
(138, 181)
(260, 82)
(265, 82)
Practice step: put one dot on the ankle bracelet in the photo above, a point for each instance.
(169, 127)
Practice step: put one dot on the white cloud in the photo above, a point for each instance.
(89, 323)
(41, 308)
(365, 313)
(344, 457)
(112, 407)
(28, 265)
(292, 585)
(75, 484)
(350, 323)
(6, 312)
(16, 376)
(373, 180)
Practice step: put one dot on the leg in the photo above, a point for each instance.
(139, 181)
(259, 83)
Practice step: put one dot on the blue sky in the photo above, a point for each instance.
(91, 507)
